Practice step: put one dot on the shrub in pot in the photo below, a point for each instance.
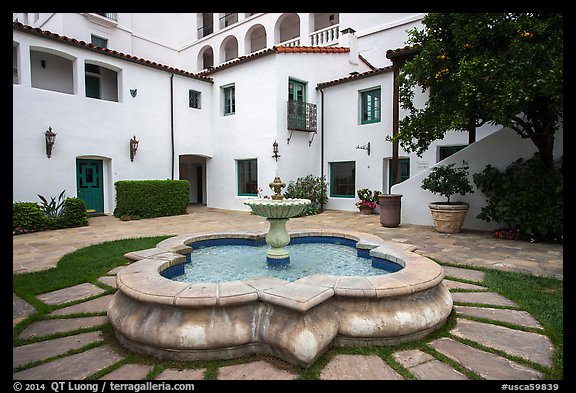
(448, 180)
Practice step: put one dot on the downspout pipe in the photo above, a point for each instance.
(322, 141)
(172, 121)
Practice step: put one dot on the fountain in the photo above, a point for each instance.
(296, 320)
(277, 212)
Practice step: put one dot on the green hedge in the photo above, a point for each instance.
(151, 198)
(27, 216)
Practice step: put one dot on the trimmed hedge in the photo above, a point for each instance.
(27, 217)
(151, 198)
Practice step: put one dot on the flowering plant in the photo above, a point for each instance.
(368, 198)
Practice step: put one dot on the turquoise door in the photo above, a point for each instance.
(89, 184)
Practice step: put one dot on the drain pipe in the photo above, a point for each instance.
(172, 120)
(322, 141)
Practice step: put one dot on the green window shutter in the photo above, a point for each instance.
(247, 171)
(229, 100)
(370, 106)
(92, 86)
(343, 179)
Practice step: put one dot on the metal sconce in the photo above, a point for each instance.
(50, 137)
(275, 150)
(365, 147)
(133, 147)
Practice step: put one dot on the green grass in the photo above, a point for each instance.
(541, 297)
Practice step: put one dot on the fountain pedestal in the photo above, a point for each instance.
(277, 212)
(277, 238)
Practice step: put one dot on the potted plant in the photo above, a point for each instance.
(368, 200)
(447, 180)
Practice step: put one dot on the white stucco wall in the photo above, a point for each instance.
(498, 149)
(93, 128)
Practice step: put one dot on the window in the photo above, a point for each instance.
(370, 106)
(403, 171)
(194, 97)
(343, 179)
(247, 177)
(99, 41)
(447, 151)
(92, 80)
(229, 100)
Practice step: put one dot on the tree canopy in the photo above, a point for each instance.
(477, 68)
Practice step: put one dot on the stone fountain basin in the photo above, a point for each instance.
(295, 321)
(270, 208)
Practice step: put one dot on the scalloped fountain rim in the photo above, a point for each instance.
(294, 320)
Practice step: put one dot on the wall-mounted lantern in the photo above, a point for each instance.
(50, 137)
(133, 147)
(365, 147)
(275, 150)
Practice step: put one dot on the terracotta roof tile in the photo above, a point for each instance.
(106, 51)
(353, 77)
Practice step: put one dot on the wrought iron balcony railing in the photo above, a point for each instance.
(301, 116)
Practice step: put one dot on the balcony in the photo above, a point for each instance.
(326, 36)
(103, 19)
(301, 116)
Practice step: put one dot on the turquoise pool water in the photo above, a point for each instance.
(230, 262)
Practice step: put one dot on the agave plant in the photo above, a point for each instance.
(52, 209)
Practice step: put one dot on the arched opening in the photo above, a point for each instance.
(229, 48)
(287, 29)
(255, 38)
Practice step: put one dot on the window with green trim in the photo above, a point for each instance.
(99, 41)
(343, 179)
(247, 177)
(370, 106)
(403, 171)
(229, 94)
(447, 151)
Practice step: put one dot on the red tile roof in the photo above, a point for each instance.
(274, 49)
(109, 52)
(354, 77)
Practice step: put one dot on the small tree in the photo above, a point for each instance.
(446, 180)
(498, 68)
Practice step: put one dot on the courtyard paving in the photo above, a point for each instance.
(513, 343)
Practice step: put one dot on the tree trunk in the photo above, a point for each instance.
(544, 141)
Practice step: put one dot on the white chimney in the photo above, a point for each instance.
(347, 39)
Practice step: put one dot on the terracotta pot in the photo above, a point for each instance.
(390, 205)
(448, 218)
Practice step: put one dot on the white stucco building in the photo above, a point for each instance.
(207, 96)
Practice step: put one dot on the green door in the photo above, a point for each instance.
(89, 184)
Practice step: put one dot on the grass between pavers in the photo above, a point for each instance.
(542, 297)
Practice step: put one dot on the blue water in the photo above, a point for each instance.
(220, 263)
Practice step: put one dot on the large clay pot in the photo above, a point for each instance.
(390, 205)
(448, 218)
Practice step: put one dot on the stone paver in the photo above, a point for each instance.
(426, 367)
(173, 374)
(372, 367)
(128, 372)
(108, 280)
(517, 317)
(46, 349)
(97, 305)
(531, 346)
(485, 364)
(20, 309)
(465, 274)
(65, 295)
(51, 326)
(259, 370)
(488, 298)
(451, 284)
(74, 367)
